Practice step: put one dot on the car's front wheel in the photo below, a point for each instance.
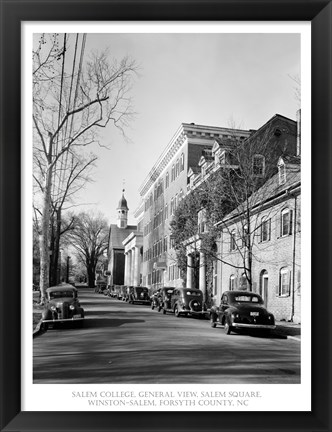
(227, 326)
(177, 312)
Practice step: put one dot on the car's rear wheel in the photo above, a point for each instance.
(212, 321)
(227, 327)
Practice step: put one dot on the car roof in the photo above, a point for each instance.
(64, 288)
(243, 292)
(192, 289)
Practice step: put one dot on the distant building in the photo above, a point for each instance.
(116, 250)
(162, 190)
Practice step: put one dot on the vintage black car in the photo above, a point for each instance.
(122, 294)
(164, 299)
(62, 305)
(185, 302)
(155, 298)
(241, 310)
(116, 292)
(138, 294)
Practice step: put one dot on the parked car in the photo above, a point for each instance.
(138, 294)
(187, 301)
(62, 305)
(123, 292)
(110, 291)
(155, 298)
(116, 292)
(164, 299)
(241, 310)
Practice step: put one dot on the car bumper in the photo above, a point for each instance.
(63, 320)
(141, 301)
(192, 312)
(254, 326)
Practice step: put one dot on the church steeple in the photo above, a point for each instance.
(122, 212)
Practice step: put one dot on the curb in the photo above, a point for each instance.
(294, 338)
(38, 330)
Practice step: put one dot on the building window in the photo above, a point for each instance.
(284, 282)
(286, 222)
(243, 282)
(177, 171)
(173, 173)
(258, 165)
(172, 206)
(202, 219)
(265, 229)
(232, 242)
(182, 162)
(232, 283)
(167, 180)
(166, 211)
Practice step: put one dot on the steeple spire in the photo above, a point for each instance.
(122, 212)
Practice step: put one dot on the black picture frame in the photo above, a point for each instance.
(319, 13)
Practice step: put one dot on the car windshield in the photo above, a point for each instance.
(58, 294)
(193, 293)
(139, 290)
(247, 299)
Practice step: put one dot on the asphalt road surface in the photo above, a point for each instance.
(125, 343)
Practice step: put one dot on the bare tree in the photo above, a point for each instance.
(90, 239)
(72, 100)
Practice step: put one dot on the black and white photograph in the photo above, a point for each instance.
(164, 192)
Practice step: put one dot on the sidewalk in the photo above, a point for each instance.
(289, 329)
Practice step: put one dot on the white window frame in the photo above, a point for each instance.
(284, 272)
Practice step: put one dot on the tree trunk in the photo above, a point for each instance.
(91, 276)
(55, 245)
(44, 237)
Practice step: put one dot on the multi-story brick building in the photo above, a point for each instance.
(279, 136)
(276, 244)
(162, 190)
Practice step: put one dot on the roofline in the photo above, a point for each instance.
(285, 191)
(182, 129)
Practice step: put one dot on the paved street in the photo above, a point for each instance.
(124, 343)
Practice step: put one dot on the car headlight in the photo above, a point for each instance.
(53, 308)
(71, 307)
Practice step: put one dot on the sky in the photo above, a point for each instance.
(210, 79)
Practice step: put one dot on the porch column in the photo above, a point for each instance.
(189, 271)
(126, 268)
(202, 277)
(132, 268)
(137, 266)
(129, 268)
